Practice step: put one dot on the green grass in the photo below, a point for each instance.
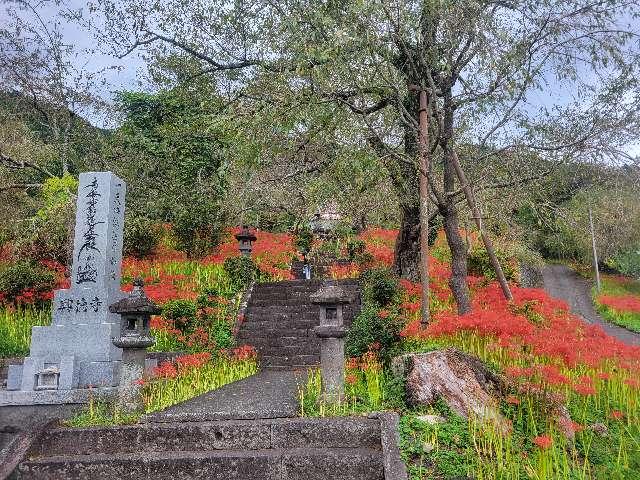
(615, 287)
(161, 393)
(15, 328)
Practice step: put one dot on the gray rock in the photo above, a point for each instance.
(460, 380)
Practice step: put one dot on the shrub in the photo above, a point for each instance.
(241, 271)
(198, 228)
(355, 249)
(627, 262)
(48, 234)
(141, 236)
(222, 332)
(370, 327)
(25, 276)
(303, 240)
(181, 312)
(380, 286)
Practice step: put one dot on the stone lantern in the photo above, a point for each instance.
(135, 312)
(245, 241)
(331, 331)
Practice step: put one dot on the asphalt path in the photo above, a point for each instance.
(563, 282)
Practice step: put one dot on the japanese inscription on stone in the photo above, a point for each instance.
(87, 268)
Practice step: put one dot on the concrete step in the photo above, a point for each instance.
(347, 432)
(292, 360)
(274, 332)
(270, 464)
(260, 323)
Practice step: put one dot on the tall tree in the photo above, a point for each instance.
(43, 85)
(483, 63)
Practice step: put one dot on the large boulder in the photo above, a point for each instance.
(463, 382)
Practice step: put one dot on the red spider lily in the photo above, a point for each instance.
(140, 382)
(513, 400)
(621, 303)
(245, 352)
(552, 375)
(518, 372)
(584, 390)
(543, 441)
(353, 363)
(616, 414)
(193, 360)
(166, 370)
(344, 271)
(351, 379)
(383, 313)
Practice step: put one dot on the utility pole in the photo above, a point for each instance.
(595, 251)
(423, 182)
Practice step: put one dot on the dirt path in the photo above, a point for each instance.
(562, 282)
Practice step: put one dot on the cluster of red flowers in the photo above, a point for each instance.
(543, 441)
(621, 303)
(194, 360)
(559, 335)
(244, 352)
(272, 252)
(380, 244)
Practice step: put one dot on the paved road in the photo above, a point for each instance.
(562, 282)
(268, 394)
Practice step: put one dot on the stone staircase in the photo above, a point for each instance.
(353, 448)
(280, 317)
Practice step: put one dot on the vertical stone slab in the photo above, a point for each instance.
(78, 342)
(97, 252)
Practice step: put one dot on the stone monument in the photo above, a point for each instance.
(76, 350)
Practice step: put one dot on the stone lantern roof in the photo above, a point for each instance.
(245, 234)
(136, 302)
(330, 294)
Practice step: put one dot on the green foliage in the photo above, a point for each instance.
(173, 146)
(368, 328)
(380, 286)
(15, 328)
(141, 236)
(23, 276)
(371, 326)
(197, 228)
(303, 240)
(47, 235)
(241, 271)
(479, 263)
(435, 450)
(222, 332)
(355, 249)
(181, 312)
(99, 413)
(627, 262)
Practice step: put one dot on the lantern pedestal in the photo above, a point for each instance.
(135, 315)
(331, 332)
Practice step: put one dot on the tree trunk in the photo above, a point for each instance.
(407, 249)
(449, 211)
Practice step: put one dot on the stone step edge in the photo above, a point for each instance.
(148, 457)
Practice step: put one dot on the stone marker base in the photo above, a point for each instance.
(24, 410)
(55, 397)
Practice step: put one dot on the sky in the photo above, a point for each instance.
(129, 73)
